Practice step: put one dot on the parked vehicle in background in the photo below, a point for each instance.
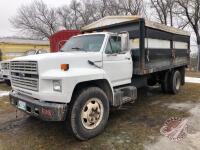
(5, 70)
(35, 52)
(58, 39)
(5, 65)
(99, 70)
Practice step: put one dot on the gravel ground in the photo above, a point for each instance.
(134, 126)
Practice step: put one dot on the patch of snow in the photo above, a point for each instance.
(192, 80)
(4, 93)
(180, 106)
(192, 141)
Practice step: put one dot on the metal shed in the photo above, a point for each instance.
(11, 48)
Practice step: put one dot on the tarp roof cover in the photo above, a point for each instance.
(114, 20)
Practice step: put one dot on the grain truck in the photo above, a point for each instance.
(100, 69)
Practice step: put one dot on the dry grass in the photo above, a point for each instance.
(193, 74)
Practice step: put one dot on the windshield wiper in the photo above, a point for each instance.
(79, 49)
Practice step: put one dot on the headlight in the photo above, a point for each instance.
(57, 86)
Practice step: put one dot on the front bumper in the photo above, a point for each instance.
(43, 110)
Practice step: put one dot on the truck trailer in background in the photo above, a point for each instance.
(58, 39)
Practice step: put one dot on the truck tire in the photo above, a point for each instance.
(182, 71)
(175, 82)
(88, 114)
(165, 83)
(8, 82)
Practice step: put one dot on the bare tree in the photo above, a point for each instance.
(118, 7)
(65, 17)
(40, 21)
(101, 10)
(133, 7)
(164, 10)
(84, 12)
(75, 6)
(190, 12)
(36, 19)
(78, 14)
(87, 11)
(114, 7)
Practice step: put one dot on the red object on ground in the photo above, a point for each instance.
(58, 39)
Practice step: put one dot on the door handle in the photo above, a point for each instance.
(112, 55)
(128, 58)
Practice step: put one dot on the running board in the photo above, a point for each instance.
(124, 95)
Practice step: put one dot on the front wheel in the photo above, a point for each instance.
(89, 113)
(8, 82)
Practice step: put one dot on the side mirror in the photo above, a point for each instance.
(124, 41)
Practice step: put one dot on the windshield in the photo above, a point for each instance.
(88, 43)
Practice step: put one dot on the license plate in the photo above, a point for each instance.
(22, 105)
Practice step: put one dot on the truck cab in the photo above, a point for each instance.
(111, 51)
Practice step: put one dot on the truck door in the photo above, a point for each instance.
(116, 62)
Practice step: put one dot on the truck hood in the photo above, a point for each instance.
(54, 60)
(60, 55)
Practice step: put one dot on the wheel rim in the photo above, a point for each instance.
(92, 113)
(178, 83)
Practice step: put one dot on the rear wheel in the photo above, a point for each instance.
(175, 82)
(165, 83)
(89, 113)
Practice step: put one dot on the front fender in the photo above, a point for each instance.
(70, 79)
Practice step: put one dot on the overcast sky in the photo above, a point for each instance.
(8, 8)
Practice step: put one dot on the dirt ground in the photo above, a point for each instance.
(134, 126)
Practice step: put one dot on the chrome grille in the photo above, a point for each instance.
(24, 67)
(24, 74)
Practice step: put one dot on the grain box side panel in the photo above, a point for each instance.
(164, 50)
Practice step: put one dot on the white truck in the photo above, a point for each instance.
(96, 71)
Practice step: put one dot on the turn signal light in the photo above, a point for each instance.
(64, 67)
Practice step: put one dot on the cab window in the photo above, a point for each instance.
(113, 45)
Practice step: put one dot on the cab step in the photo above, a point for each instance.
(124, 95)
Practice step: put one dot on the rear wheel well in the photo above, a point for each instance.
(158, 77)
(103, 84)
